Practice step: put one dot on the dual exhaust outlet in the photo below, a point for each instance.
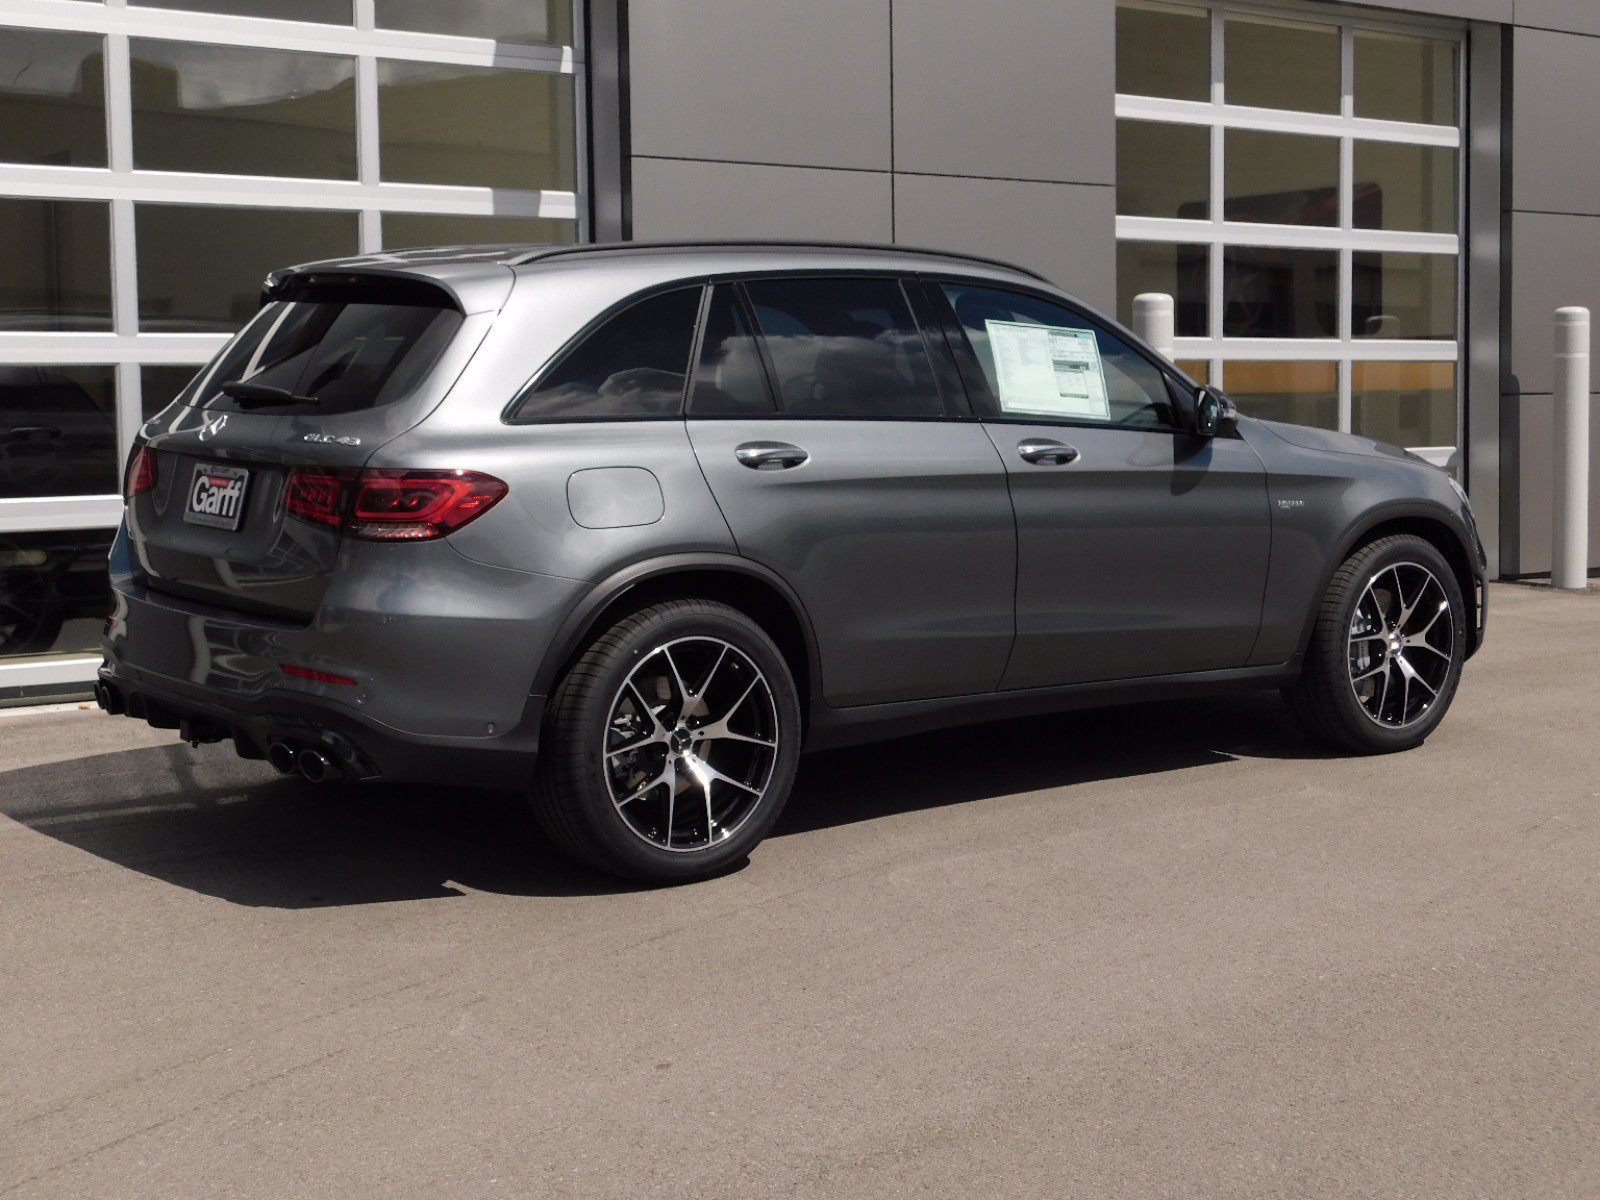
(311, 764)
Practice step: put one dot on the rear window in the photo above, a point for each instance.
(343, 352)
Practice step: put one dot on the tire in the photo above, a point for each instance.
(1387, 644)
(669, 748)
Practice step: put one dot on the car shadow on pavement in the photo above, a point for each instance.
(209, 822)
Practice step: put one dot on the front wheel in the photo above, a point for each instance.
(670, 745)
(1386, 650)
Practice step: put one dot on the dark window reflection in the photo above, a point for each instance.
(58, 431)
(327, 12)
(1179, 270)
(409, 230)
(55, 265)
(201, 268)
(1403, 295)
(239, 110)
(634, 365)
(844, 348)
(54, 591)
(1270, 292)
(730, 380)
(52, 98)
(159, 387)
(548, 21)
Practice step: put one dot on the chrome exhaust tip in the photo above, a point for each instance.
(315, 765)
(281, 756)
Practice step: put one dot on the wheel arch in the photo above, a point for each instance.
(1433, 527)
(759, 593)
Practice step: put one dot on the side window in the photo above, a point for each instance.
(1046, 361)
(729, 380)
(844, 348)
(634, 365)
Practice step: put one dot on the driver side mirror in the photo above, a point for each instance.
(1214, 413)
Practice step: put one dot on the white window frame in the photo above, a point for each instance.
(1217, 233)
(121, 186)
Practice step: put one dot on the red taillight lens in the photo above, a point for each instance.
(141, 473)
(315, 676)
(391, 505)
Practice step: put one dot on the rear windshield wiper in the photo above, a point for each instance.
(251, 394)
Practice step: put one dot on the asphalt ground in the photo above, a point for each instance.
(1168, 950)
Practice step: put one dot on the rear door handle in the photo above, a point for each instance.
(1043, 450)
(770, 456)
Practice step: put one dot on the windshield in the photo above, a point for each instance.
(340, 354)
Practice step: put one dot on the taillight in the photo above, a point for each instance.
(141, 475)
(391, 505)
(311, 673)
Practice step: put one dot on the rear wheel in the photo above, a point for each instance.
(670, 745)
(1386, 650)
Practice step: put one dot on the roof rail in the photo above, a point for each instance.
(542, 253)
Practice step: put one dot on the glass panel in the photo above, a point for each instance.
(1042, 376)
(730, 380)
(1197, 369)
(1163, 51)
(1404, 78)
(1269, 63)
(1280, 293)
(52, 98)
(327, 12)
(1403, 295)
(55, 265)
(236, 110)
(58, 431)
(54, 591)
(1163, 170)
(434, 229)
(1301, 393)
(1407, 403)
(341, 349)
(1280, 178)
(1179, 270)
(201, 268)
(526, 21)
(160, 386)
(844, 348)
(446, 124)
(1404, 187)
(635, 365)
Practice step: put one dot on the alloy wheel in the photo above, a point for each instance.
(690, 744)
(1401, 644)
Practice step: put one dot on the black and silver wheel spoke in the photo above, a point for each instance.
(1403, 612)
(667, 736)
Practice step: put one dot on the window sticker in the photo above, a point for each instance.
(1051, 370)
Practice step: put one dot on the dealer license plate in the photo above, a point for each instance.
(216, 496)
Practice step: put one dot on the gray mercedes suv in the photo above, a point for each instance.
(629, 526)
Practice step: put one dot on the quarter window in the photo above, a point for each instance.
(1043, 361)
(634, 365)
(845, 348)
(730, 380)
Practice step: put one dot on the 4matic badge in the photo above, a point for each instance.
(327, 439)
(1288, 504)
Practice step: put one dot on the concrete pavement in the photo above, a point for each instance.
(1168, 950)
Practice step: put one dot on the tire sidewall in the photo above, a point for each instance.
(629, 853)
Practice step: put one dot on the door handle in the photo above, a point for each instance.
(764, 456)
(1042, 450)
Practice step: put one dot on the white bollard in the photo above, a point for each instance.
(1153, 321)
(1569, 566)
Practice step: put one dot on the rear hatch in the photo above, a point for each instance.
(229, 503)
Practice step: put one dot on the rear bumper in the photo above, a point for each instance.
(360, 749)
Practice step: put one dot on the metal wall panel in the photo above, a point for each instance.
(1553, 116)
(1026, 95)
(674, 199)
(1573, 16)
(798, 84)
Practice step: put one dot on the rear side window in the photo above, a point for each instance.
(844, 348)
(729, 380)
(347, 352)
(634, 365)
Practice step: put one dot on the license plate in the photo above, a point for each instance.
(216, 496)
